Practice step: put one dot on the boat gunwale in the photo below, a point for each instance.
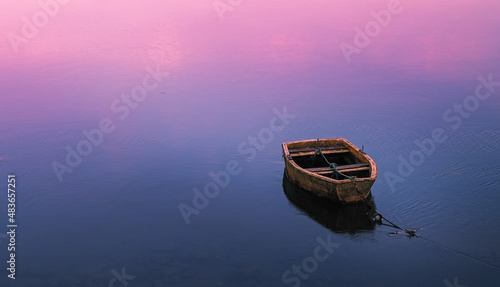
(352, 149)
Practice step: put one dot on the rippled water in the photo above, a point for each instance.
(240, 82)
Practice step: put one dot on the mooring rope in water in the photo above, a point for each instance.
(461, 253)
(377, 217)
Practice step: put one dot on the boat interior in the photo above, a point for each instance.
(347, 163)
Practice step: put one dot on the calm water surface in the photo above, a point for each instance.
(112, 217)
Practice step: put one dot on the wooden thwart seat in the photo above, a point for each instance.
(309, 153)
(341, 168)
(313, 149)
(344, 171)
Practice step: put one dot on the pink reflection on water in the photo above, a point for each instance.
(426, 31)
(445, 39)
(92, 51)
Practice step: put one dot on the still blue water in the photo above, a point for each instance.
(115, 219)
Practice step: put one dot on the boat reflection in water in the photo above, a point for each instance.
(352, 218)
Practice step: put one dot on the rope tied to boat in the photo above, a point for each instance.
(377, 217)
(410, 233)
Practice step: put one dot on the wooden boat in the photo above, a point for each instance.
(331, 168)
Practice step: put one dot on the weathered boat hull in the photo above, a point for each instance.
(343, 190)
